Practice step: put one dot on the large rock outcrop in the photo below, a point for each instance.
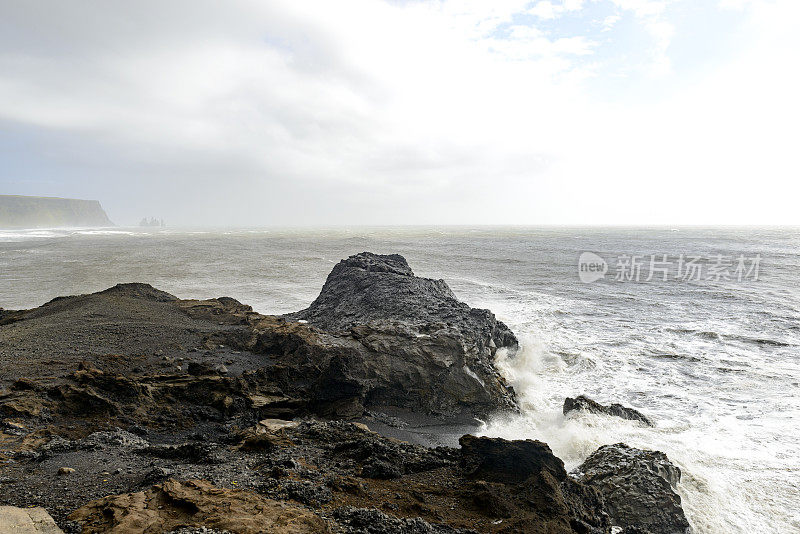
(368, 288)
(135, 348)
(637, 487)
(433, 351)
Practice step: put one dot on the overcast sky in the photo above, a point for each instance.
(405, 112)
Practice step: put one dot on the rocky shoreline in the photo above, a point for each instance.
(130, 410)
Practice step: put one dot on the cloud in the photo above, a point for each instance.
(643, 8)
(363, 111)
(610, 21)
(547, 10)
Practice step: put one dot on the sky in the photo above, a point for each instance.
(386, 112)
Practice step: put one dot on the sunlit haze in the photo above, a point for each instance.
(387, 112)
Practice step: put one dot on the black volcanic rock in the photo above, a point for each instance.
(524, 474)
(281, 367)
(637, 487)
(500, 460)
(421, 348)
(372, 521)
(200, 384)
(582, 402)
(367, 288)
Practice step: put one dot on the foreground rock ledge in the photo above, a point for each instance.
(173, 504)
(334, 475)
(220, 409)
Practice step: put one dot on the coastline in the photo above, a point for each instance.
(174, 390)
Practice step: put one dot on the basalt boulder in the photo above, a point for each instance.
(511, 462)
(511, 476)
(368, 287)
(433, 352)
(638, 488)
(583, 403)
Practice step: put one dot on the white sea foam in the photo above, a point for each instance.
(10, 236)
(105, 232)
(730, 483)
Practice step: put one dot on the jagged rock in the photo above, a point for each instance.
(512, 462)
(637, 487)
(525, 474)
(113, 438)
(379, 366)
(25, 404)
(378, 456)
(302, 491)
(369, 287)
(175, 504)
(415, 348)
(582, 402)
(419, 347)
(15, 520)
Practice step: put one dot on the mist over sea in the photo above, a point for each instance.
(715, 363)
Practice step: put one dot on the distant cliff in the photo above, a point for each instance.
(30, 212)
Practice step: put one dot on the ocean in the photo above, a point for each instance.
(698, 328)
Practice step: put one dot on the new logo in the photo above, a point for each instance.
(591, 267)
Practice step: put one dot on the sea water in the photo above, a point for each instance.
(713, 360)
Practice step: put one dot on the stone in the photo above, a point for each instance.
(638, 488)
(372, 521)
(582, 402)
(275, 425)
(14, 520)
(369, 287)
(174, 504)
(511, 462)
(418, 347)
(515, 476)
